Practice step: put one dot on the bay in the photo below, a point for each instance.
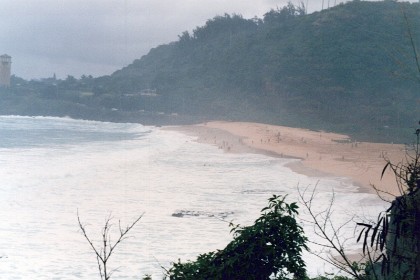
(53, 168)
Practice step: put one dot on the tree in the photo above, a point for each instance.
(392, 243)
(104, 251)
(285, 13)
(271, 247)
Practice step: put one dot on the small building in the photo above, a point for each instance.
(148, 92)
(5, 70)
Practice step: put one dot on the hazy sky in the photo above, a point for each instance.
(98, 37)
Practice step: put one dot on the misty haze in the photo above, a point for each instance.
(210, 140)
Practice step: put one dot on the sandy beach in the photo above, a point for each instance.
(321, 153)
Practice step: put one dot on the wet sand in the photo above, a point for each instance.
(321, 153)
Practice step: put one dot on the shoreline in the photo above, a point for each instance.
(320, 154)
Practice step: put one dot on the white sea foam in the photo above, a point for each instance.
(135, 170)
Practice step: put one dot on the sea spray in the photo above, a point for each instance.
(123, 170)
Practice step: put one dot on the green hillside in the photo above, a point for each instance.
(351, 68)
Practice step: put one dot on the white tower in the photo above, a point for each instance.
(5, 66)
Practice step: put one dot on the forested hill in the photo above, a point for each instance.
(350, 68)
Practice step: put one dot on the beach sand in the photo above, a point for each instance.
(321, 153)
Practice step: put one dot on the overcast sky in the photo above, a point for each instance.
(98, 37)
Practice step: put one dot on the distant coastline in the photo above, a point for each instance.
(321, 153)
(144, 118)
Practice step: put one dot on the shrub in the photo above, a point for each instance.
(271, 247)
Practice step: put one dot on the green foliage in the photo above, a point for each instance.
(281, 15)
(332, 278)
(391, 244)
(329, 70)
(272, 246)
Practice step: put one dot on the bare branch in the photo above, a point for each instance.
(329, 233)
(105, 252)
(87, 238)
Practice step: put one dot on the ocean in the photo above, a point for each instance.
(53, 168)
